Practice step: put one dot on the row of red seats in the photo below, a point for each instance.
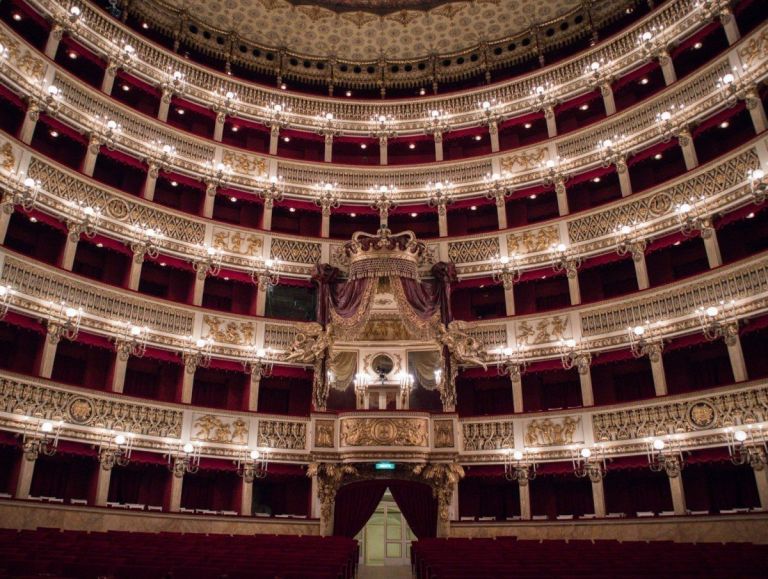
(118, 555)
(508, 557)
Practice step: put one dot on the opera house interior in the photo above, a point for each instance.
(336, 289)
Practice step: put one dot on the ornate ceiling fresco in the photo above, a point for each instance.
(367, 30)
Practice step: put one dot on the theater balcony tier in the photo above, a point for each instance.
(457, 133)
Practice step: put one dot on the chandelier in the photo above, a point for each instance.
(161, 157)
(174, 83)
(554, 176)
(115, 451)
(748, 446)
(145, 243)
(85, 222)
(719, 322)
(611, 153)
(327, 197)
(273, 192)
(65, 321)
(520, 465)
(507, 271)
(382, 201)
(511, 361)
(131, 340)
(327, 126)
(572, 355)
(758, 184)
(646, 340)
(224, 103)
(184, 460)
(665, 456)
(544, 99)
(107, 133)
(277, 117)
(440, 195)
(207, 262)
(252, 464)
(596, 74)
(41, 437)
(672, 125)
(5, 297)
(122, 58)
(197, 352)
(496, 190)
(692, 219)
(590, 463)
(216, 174)
(406, 382)
(361, 382)
(563, 260)
(489, 109)
(265, 273)
(382, 127)
(45, 100)
(437, 122)
(630, 242)
(22, 191)
(734, 86)
(259, 362)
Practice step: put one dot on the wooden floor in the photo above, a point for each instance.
(384, 572)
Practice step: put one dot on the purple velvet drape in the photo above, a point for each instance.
(346, 298)
(355, 503)
(423, 297)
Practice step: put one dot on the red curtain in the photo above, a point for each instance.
(138, 483)
(355, 503)
(418, 506)
(63, 476)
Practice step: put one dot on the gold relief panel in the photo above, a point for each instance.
(219, 429)
(385, 330)
(525, 161)
(443, 434)
(229, 331)
(756, 49)
(7, 158)
(325, 433)
(397, 432)
(533, 241)
(548, 330)
(553, 431)
(245, 164)
(247, 244)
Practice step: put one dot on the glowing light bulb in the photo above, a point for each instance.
(188, 448)
(665, 116)
(201, 343)
(711, 311)
(658, 444)
(46, 427)
(586, 453)
(254, 454)
(740, 436)
(758, 174)
(728, 78)
(120, 439)
(518, 455)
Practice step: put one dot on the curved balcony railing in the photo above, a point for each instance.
(716, 188)
(671, 22)
(695, 421)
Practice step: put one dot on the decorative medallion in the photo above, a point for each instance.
(702, 414)
(324, 433)
(117, 209)
(80, 410)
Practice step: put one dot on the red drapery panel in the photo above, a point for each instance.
(355, 503)
(418, 506)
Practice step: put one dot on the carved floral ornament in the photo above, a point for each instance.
(674, 17)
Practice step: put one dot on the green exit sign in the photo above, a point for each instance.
(385, 466)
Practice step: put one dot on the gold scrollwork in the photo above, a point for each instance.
(212, 428)
(230, 331)
(551, 432)
(385, 432)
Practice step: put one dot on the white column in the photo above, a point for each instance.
(573, 290)
(667, 68)
(102, 486)
(208, 202)
(625, 183)
(501, 211)
(24, 481)
(641, 271)
(509, 301)
(442, 221)
(218, 129)
(174, 500)
(587, 396)
(525, 501)
(253, 391)
(188, 383)
(246, 498)
(328, 156)
(150, 182)
(517, 391)
(197, 296)
(736, 355)
(70, 249)
(383, 159)
(756, 110)
(493, 130)
(712, 247)
(549, 116)
(134, 275)
(562, 197)
(266, 221)
(598, 497)
(685, 140)
(608, 100)
(165, 107)
(108, 82)
(118, 373)
(29, 124)
(54, 38)
(5, 220)
(438, 146)
(657, 371)
(678, 494)
(325, 223)
(50, 345)
(261, 301)
(730, 26)
(274, 137)
(91, 154)
(761, 478)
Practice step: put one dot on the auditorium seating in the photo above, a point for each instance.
(121, 555)
(509, 557)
